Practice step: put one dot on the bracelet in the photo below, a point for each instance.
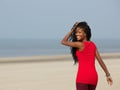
(107, 75)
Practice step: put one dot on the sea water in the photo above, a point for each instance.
(38, 47)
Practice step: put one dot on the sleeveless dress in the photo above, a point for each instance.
(86, 64)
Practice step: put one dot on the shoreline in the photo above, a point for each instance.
(49, 58)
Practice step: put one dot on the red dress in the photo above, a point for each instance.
(86, 64)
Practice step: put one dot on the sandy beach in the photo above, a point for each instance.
(52, 72)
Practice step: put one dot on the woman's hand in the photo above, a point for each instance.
(109, 80)
(75, 25)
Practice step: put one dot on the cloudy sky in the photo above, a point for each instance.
(54, 18)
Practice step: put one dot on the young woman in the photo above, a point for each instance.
(84, 52)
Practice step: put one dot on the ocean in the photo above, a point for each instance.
(39, 47)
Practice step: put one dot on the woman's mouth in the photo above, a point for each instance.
(78, 37)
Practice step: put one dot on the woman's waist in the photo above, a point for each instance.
(86, 64)
(88, 72)
(86, 68)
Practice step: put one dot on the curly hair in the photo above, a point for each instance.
(85, 27)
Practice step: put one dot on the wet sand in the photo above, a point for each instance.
(53, 74)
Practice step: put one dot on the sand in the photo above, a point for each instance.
(52, 73)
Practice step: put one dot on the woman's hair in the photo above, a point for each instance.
(85, 27)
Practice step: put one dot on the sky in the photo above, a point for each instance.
(52, 19)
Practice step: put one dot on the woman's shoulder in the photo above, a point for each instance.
(93, 43)
(90, 42)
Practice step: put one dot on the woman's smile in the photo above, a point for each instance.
(78, 37)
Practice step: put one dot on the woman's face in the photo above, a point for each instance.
(80, 34)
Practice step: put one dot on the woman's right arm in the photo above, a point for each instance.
(65, 40)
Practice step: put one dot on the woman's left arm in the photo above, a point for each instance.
(102, 64)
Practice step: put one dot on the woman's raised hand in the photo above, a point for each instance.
(75, 25)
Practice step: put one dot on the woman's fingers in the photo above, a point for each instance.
(109, 80)
(75, 25)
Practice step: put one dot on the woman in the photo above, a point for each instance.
(84, 52)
